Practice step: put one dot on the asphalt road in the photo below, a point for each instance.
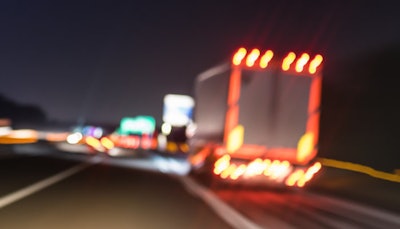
(47, 188)
(98, 196)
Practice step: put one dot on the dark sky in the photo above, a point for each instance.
(103, 60)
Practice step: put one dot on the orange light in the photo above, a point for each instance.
(235, 139)
(280, 170)
(255, 167)
(305, 147)
(288, 61)
(232, 113)
(267, 164)
(200, 156)
(272, 168)
(183, 147)
(239, 56)
(228, 171)
(294, 177)
(107, 143)
(221, 164)
(266, 58)
(56, 137)
(302, 61)
(238, 172)
(252, 57)
(309, 174)
(315, 63)
(94, 142)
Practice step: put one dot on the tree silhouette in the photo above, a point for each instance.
(21, 113)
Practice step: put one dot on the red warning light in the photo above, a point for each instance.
(239, 56)
(252, 57)
(288, 61)
(266, 58)
(302, 61)
(315, 63)
(291, 61)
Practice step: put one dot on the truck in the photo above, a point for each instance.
(256, 119)
(177, 115)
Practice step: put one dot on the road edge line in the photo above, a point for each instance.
(31, 189)
(360, 168)
(228, 214)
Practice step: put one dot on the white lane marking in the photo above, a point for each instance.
(368, 212)
(31, 189)
(230, 215)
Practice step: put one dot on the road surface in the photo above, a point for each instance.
(44, 187)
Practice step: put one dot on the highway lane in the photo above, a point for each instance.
(18, 171)
(335, 199)
(358, 187)
(100, 196)
(286, 209)
(114, 180)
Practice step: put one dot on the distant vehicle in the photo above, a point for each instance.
(133, 133)
(257, 119)
(177, 115)
(91, 135)
(20, 136)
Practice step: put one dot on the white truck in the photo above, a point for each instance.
(257, 118)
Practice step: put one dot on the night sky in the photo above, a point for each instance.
(103, 60)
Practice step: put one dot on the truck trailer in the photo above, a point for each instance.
(256, 118)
